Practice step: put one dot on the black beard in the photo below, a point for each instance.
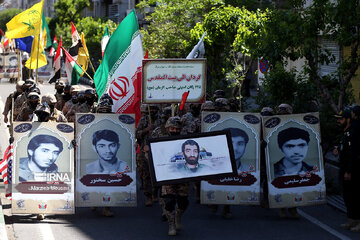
(191, 162)
(74, 101)
(59, 91)
(82, 100)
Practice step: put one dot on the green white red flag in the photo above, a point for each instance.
(104, 41)
(72, 68)
(120, 69)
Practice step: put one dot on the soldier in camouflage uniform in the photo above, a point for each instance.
(12, 97)
(21, 99)
(55, 114)
(191, 120)
(28, 108)
(73, 91)
(91, 99)
(59, 87)
(143, 132)
(80, 107)
(175, 196)
(222, 105)
(63, 98)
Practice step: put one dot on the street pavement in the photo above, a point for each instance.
(199, 221)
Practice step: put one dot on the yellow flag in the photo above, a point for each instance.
(32, 63)
(83, 54)
(26, 23)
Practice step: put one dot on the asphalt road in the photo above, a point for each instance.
(199, 222)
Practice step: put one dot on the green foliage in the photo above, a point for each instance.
(6, 16)
(223, 25)
(282, 86)
(168, 35)
(68, 11)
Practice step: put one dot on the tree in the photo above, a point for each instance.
(295, 34)
(168, 35)
(68, 11)
(6, 16)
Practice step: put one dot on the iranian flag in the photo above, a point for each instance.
(57, 64)
(119, 74)
(104, 41)
(72, 68)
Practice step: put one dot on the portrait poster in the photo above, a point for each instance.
(106, 169)
(43, 168)
(166, 80)
(245, 135)
(192, 157)
(11, 65)
(295, 169)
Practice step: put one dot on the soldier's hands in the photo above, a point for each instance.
(11, 139)
(146, 148)
(347, 176)
(6, 119)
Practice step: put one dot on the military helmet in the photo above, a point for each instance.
(106, 97)
(90, 91)
(219, 93)
(208, 106)
(42, 108)
(266, 111)
(284, 108)
(49, 99)
(173, 122)
(20, 83)
(74, 89)
(59, 84)
(35, 89)
(33, 96)
(222, 104)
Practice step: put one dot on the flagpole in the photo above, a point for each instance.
(19, 63)
(87, 55)
(37, 58)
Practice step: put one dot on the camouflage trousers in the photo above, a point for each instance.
(181, 189)
(144, 173)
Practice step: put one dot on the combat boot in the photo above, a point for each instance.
(178, 224)
(148, 201)
(163, 214)
(107, 213)
(349, 224)
(293, 213)
(171, 220)
(226, 212)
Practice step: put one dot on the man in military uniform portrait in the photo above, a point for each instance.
(239, 140)
(43, 150)
(191, 152)
(294, 144)
(106, 144)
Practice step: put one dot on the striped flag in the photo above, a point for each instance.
(53, 47)
(5, 168)
(104, 41)
(72, 68)
(57, 64)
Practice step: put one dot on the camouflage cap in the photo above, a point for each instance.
(208, 106)
(284, 108)
(219, 93)
(20, 83)
(266, 111)
(42, 108)
(345, 113)
(49, 99)
(90, 91)
(173, 122)
(33, 96)
(74, 89)
(222, 104)
(59, 84)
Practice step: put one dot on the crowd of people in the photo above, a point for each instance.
(27, 103)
